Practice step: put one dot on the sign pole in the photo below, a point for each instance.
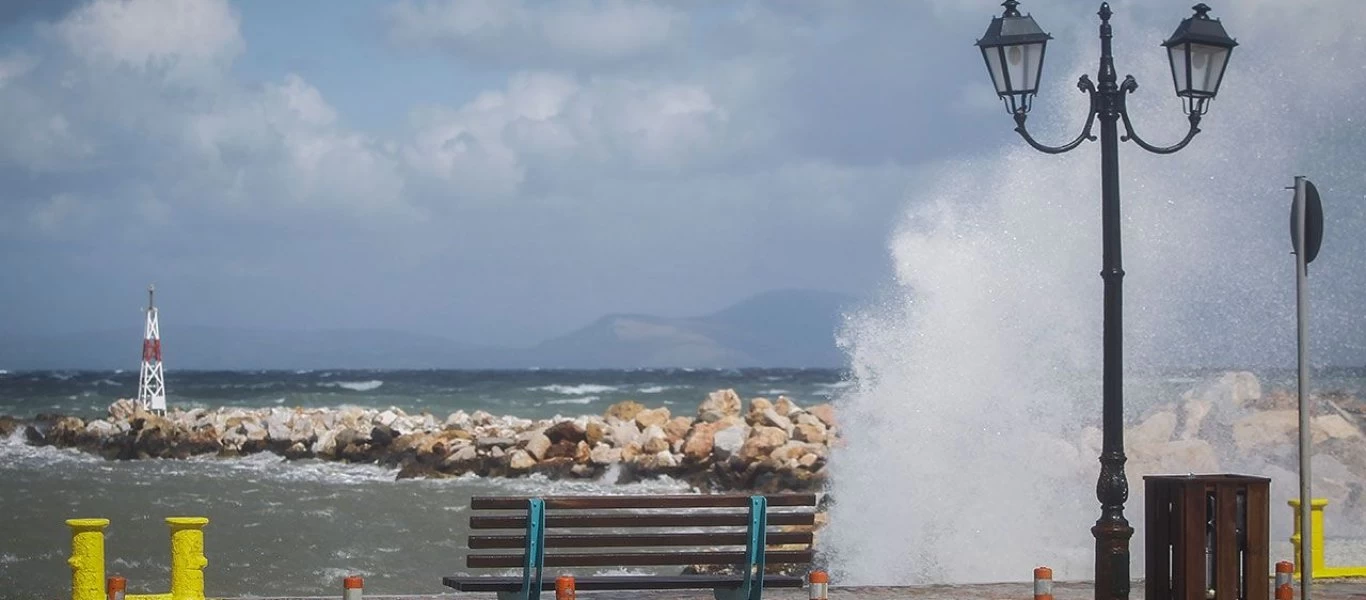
(1306, 437)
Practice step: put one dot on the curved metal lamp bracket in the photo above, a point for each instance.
(1128, 87)
(1084, 84)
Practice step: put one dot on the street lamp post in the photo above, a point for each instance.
(1013, 48)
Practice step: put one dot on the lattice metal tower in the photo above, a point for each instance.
(151, 382)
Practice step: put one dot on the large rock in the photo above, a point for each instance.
(595, 432)
(676, 429)
(785, 406)
(566, 431)
(1334, 427)
(757, 407)
(727, 440)
(538, 445)
(653, 440)
(520, 460)
(123, 409)
(656, 417)
(700, 441)
(762, 442)
(824, 412)
(769, 417)
(623, 433)
(1156, 429)
(807, 432)
(625, 410)
(719, 405)
(1194, 411)
(1265, 428)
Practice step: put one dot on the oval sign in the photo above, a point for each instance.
(1313, 223)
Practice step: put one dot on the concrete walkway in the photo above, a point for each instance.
(1084, 590)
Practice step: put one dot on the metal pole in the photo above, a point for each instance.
(1112, 530)
(1306, 438)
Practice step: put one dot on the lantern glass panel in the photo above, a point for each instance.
(1207, 68)
(993, 56)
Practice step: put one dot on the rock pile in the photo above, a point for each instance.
(770, 446)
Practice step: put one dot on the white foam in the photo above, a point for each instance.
(655, 389)
(576, 390)
(356, 386)
(583, 400)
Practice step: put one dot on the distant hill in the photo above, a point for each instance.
(787, 328)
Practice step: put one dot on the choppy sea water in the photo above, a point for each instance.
(298, 527)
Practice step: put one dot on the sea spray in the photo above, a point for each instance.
(970, 452)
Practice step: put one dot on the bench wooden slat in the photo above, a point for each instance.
(629, 520)
(619, 540)
(661, 501)
(619, 582)
(636, 559)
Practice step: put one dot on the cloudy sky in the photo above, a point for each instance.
(501, 171)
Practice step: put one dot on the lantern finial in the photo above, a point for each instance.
(1011, 8)
(1201, 11)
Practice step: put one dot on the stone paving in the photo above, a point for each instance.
(1080, 590)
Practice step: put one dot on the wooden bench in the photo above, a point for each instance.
(640, 531)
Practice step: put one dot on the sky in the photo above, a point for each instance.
(503, 171)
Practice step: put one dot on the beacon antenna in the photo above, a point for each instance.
(151, 381)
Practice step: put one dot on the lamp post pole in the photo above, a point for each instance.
(1112, 530)
(1013, 48)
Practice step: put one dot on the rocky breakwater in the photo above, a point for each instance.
(1229, 424)
(769, 445)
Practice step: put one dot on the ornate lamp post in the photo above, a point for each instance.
(1013, 48)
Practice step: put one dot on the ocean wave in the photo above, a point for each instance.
(775, 392)
(575, 390)
(356, 386)
(17, 454)
(583, 400)
(655, 389)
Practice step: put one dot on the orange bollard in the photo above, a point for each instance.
(820, 585)
(1284, 590)
(564, 587)
(115, 587)
(353, 588)
(1043, 583)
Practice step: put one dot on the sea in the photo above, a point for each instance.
(281, 527)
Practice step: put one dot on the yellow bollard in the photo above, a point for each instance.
(1321, 568)
(87, 558)
(1316, 538)
(187, 557)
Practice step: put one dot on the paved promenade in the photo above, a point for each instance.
(1323, 590)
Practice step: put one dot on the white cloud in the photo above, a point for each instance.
(545, 120)
(183, 38)
(514, 30)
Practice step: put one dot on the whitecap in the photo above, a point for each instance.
(583, 400)
(655, 389)
(356, 386)
(576, 390)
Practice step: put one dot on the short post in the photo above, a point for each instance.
(116, 588)
(564, 587)
(187, 557)
(1284, 591)
(1043, 583)
(353, 588)
(1316, 506)
(820, 585)
(87, 558)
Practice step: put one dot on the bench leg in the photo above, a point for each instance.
(534, 561)
(753, 586)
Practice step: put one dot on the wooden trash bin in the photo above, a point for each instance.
(1208, 537)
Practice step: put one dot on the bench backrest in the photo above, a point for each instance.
(661, 530)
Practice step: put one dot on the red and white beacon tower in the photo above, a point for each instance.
(152, 383)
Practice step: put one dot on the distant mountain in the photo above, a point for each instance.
(788, 328)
